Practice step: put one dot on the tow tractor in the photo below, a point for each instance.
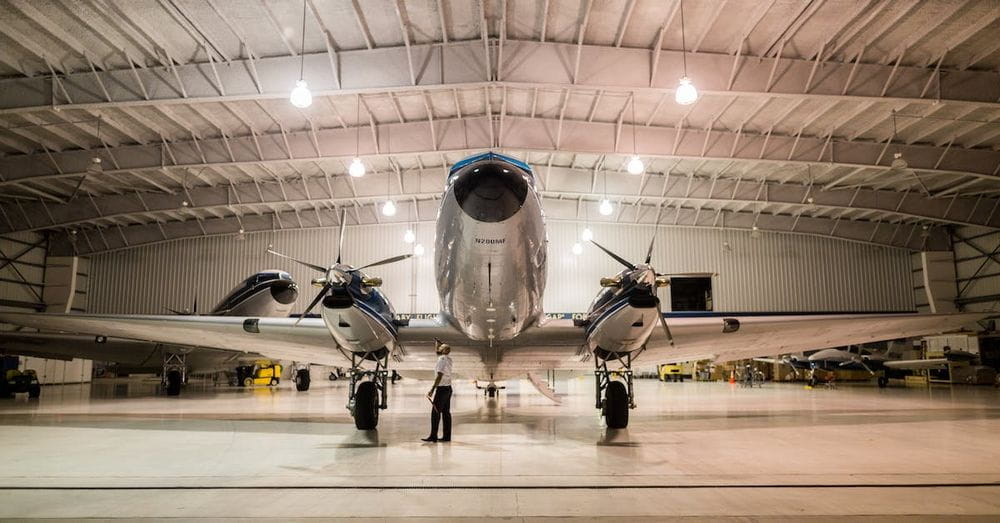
(14, 381)
(260, 373)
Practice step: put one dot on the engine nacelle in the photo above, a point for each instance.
(265, 294)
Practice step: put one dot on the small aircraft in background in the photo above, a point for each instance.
(856, 357)
(269, 294)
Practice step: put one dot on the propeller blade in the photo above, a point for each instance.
(617, 258)
(649, 253)
(663, 322)
(340, 243)
(300, 262)
(394, 259)
(313, 304)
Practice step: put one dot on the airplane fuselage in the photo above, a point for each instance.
(491, 249)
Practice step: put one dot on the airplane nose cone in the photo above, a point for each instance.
(284, 292)
(491, 192)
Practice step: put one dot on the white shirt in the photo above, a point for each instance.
(443, 366)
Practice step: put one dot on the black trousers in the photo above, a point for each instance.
(441, 411)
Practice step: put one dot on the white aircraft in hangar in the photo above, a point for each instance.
(491, 268)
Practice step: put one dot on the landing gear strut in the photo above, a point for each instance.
(368, 388)
(614, 397)
(174, 372)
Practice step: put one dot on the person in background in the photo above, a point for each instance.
(440, 395)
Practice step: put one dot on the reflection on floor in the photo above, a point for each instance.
(700, 449)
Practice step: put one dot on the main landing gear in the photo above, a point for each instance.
(368, 388)
(302, 378)
(174, 372)
(614, 397)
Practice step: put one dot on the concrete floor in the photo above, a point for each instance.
(119, 449)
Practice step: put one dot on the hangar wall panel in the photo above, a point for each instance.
(977, 275)
(770, 273)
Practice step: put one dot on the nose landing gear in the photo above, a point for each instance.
(614, 396)
(367, 393)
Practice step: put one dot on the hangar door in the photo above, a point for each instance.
(690, 294)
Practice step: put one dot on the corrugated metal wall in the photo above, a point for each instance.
(977, 275)
(21, 295)
(770, 273)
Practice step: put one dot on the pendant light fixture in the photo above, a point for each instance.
(605, 208)
(301, 96)
(635, 165)
(685, 94)
(577, 249)
(409, 236)
(389, 208)
(418, 250)
(357, 169)
(587, 234)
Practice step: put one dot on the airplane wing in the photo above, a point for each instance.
(276, 338)
(732, 337)
(129, 354)
(932, 363)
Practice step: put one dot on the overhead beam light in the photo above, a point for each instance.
(577, 249)
(409, 237)
(389, 208)
(587, 234)
(606, 208)
(685, 94)
(357, 168)
(635, 165)
(418, 250)
(301, 97)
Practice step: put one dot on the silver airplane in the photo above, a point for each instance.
(491, 266)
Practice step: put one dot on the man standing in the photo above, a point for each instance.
(440, 395)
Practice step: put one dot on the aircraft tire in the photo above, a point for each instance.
(883, 382)
(173, 383)
(616, 405)
(34, 390)
(302, 380)
(366, 406)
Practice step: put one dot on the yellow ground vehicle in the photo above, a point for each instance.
(260, 373)
(670, 372)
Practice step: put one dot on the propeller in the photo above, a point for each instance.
(617, 258)
(336, 274)
(632, 267)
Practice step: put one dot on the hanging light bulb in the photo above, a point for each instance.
(686, 94)
(418, 250)
(389, 208)
(357, 169)
(635, 165)
(577, 249)
(606, 208)
(301, 96)
(409, 237)
(587, 235)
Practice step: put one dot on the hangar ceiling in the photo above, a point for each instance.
(803, 108)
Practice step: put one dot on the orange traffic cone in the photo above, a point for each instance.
(732, 376)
